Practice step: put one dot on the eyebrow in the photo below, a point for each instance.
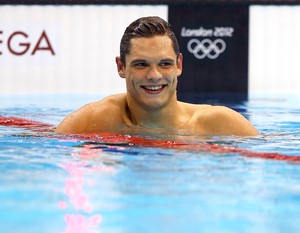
(169, 60)
(136, 61)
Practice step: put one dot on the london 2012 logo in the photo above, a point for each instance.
(211, 43)
(206, 48)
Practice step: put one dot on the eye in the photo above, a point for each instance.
(166, 64)
(139, 64)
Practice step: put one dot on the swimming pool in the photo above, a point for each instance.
(49, 184)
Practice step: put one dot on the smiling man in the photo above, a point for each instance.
(150, 63)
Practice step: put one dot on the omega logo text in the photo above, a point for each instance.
(19, 43)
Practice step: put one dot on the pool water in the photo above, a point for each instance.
(50, 184)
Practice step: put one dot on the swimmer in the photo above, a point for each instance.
(150, 63)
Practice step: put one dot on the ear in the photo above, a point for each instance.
(179, 64)
(120, 67)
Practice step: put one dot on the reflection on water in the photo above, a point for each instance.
(84, 221)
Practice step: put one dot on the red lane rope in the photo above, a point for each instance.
(26, 124)
(133, 140)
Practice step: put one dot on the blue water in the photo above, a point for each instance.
(54, 185)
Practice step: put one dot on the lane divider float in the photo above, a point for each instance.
(105, 137)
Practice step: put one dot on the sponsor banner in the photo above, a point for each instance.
(214, 43)
(64, 49)
(71, 49)
(35, 45)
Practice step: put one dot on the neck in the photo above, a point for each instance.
(160, 117)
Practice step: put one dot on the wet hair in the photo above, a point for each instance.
(146, 27)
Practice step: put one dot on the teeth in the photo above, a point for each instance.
(153, 88)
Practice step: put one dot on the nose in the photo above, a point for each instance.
(154, 74)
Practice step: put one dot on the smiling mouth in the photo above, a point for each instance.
(156, 88)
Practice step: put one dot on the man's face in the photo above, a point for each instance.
(151, 72)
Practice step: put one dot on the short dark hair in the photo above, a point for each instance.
(146, 27)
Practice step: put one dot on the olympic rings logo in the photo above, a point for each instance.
(206, 48)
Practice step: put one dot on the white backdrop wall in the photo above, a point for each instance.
(76, 53)
(71, 49)
(274, 42)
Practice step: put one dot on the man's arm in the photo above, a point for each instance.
(219, 120)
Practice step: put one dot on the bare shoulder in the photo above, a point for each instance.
(113, 102)
(221, 120)
(95, 116)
